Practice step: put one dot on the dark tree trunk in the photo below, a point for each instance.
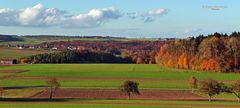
(235, 61)
(51, 92)
(210, 98)
(1, 94)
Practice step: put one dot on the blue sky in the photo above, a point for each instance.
(128, 18)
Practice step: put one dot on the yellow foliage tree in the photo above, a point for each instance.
(183, 61)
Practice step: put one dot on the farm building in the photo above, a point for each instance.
(8, 61)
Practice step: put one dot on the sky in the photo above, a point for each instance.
(123, 18)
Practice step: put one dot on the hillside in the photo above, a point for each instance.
(37, 39)
(13, 53)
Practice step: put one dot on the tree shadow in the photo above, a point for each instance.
(24, 87)
(32, 100)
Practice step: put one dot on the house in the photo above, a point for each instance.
(54, 48)
(20, 47)
(32, 47)
(8, 61)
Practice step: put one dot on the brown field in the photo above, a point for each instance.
(116, 94)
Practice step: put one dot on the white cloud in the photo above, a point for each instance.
(153, 14)
(93, 18)
(32, 15)
(8, 17)
(38, 15)
(157, 12)
(150, 16)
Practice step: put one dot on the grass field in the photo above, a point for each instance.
(78, 106)
(116, 71)
(110, 75)
(105, 76)
(14, 53)
(124, 104)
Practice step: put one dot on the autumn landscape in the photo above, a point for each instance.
(119, 58)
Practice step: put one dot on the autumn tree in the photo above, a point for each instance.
(211, 87)
(183, 61)
(129, 88)
(139, 60)
(215, 52)
(236, 89)
(193, 83)
(54, 85)
(234, 50)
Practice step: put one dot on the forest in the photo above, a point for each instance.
(7, 38)
(141, 52)
(74, 57)
(216, 52)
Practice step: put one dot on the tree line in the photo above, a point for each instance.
(8, 38)
(216, 52)
(141, 52)
(74, 57)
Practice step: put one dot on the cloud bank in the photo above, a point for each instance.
(38, 16)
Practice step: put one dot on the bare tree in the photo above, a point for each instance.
(193, 83)
(129, 88)
(211, 87)
(54, 85)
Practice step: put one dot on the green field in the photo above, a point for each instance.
(124, 104)
(149, 76)
(105, 76)
(116, 71)
(78, 106)
(14, 53)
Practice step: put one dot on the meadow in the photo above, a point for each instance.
(108, 76)
(116, 71)
(124, 104)
(14, 53)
